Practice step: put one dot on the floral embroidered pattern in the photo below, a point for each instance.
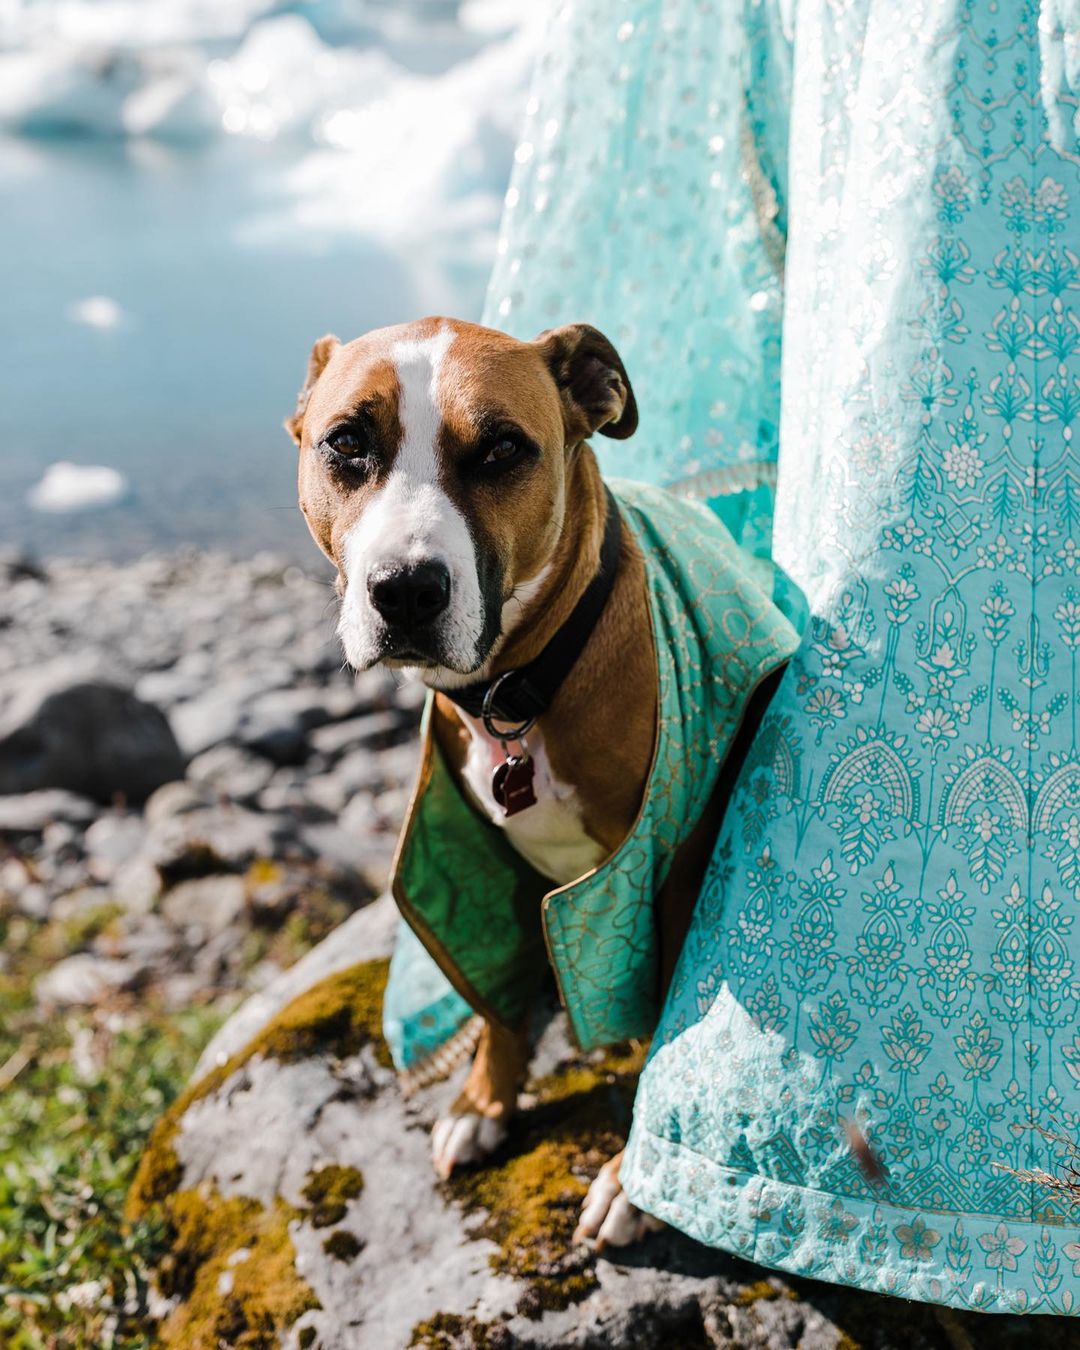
(887, 935)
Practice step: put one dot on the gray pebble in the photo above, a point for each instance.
(230, 834)
(177, 799)
(135, 886)
(213, 903)
(83, 980)
(91, 737)
(31, 812)
(236, 773)
(112, 840)
(371, 731)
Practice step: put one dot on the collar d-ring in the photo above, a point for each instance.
(515, 733)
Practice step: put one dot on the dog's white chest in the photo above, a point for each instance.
(549, 835)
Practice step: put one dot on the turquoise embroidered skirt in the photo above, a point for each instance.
(836, 244)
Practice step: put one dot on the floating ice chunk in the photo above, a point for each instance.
(109, 92)
(420, 166)
(174, 102)
(66, 487)
(188, 69)
(490, 16)
(112, 84)
(128, 23)
(284, 77)
(96, 311)
(62, 89)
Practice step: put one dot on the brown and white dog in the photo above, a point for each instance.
(444, 471)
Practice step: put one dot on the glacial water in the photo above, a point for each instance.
(161, 289)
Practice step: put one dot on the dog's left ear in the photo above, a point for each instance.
(592, 379)
(322, 351)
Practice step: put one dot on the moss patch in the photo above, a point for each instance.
(232, 1263)
(526, 1200)
(530, 1193)
(328, 1191)
(337, 1016)
(448, 1331)
(343, 1245)
(762, 1291)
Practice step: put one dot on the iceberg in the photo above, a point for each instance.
(63, 89)
(96, 311)
(66, 487)
(195, 71)
(127, 24)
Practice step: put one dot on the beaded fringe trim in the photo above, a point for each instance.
(442, 1062)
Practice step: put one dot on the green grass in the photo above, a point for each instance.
(78, 1097)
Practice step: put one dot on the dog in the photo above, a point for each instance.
(445, 470)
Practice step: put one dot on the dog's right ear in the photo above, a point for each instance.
(322, 351)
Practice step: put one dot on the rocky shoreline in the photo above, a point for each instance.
(198, 806)
(181, 746)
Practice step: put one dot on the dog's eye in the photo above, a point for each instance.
(503, 449)
(346, 442)
(502, 453)
(348, 451)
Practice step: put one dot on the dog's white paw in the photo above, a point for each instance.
(608, 1216)
(460, 1139)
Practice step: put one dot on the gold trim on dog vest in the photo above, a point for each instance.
(489, 920)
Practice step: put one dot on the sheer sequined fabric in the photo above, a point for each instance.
(646, 200)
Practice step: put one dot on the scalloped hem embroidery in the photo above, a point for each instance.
(964, 1261)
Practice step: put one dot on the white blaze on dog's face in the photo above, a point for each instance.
(432, 473)
(412, 533)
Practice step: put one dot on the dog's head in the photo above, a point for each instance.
(433, 462)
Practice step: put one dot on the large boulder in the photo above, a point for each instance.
(90, 737)
(294, 1183)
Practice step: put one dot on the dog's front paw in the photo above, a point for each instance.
(608, 1216)
(466, 1138)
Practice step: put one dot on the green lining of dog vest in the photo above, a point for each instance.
(472, 900)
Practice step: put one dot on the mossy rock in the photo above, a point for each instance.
(233, 1266)
(530, 1192)
(249, 1300)
(525, 1202)
(336, 1017)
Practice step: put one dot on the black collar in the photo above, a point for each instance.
(518, 697)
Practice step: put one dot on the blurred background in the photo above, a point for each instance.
(194, 793)
(192, 191)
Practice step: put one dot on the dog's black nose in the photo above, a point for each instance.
(410, 597)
